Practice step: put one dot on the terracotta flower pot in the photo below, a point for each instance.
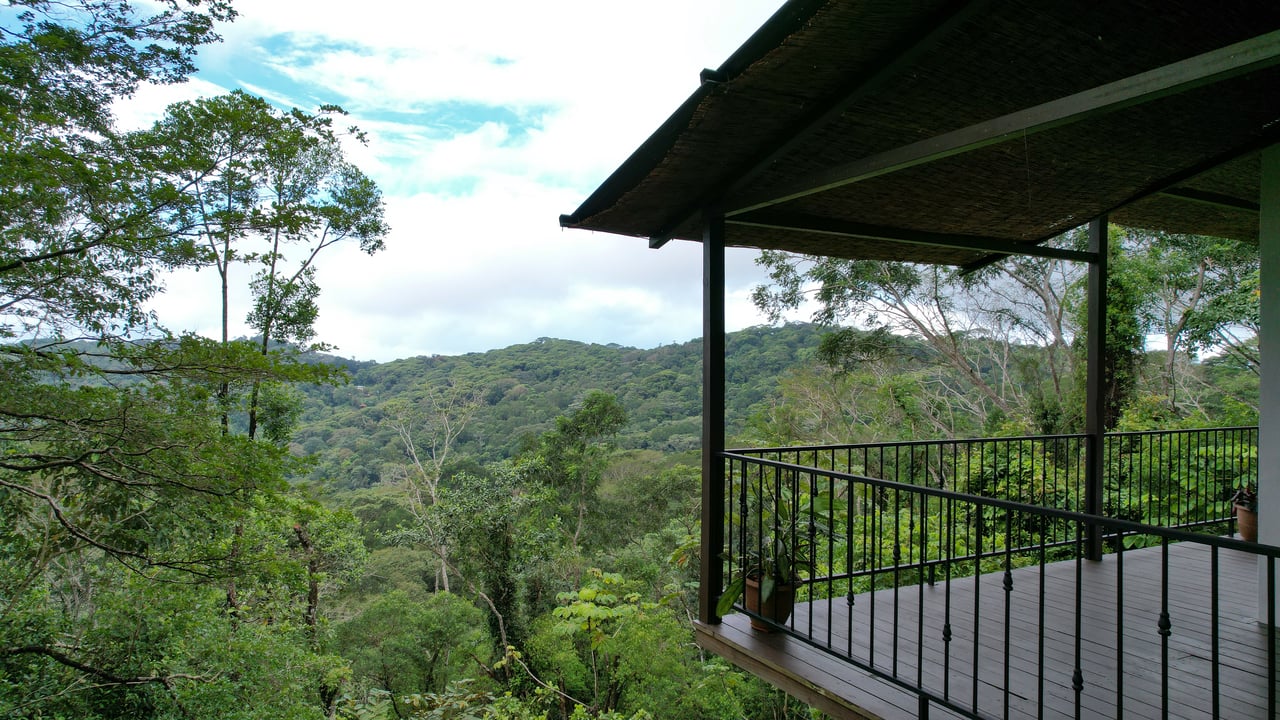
(777, 608)
(1247, 523)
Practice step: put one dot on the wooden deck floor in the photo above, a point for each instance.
(1127, 684)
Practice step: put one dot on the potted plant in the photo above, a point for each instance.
(1245, 505)
(773, 551)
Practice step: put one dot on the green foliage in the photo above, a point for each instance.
(267, 188)
(571, 460)
(106, 641)
(158, 564)
(523, 389)
(156, 561)
(406, 643)
(1201, 293)
(611, 653)
(78, 208)
(1124, 332)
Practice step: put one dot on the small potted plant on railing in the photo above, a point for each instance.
(1245, 503)
(774, 562)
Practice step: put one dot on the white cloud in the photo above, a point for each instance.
(476, 258)
(149, 102)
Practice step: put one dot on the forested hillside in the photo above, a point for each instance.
(522, 388)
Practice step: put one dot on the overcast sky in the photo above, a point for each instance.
(486, 121)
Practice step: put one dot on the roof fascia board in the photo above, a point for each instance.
(640, 163)
(824, 226)
(926, 36)
(1215, 66)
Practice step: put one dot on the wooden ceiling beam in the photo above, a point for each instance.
(1241, 58)
(1164, 185)
(825, 226)
(1210, 198)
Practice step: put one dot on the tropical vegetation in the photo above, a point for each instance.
(224, 527)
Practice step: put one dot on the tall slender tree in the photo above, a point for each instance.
(271, 190)
(118, 486)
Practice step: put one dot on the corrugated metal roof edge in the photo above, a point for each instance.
(788, 19)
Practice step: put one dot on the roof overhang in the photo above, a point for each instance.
(955, 133)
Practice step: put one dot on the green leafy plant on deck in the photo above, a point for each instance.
(775, 531)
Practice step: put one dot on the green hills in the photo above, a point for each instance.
(523, 388)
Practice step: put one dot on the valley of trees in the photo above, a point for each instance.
(199, 527)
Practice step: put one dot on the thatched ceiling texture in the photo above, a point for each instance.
(946, 132)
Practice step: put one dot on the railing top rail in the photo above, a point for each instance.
(1068, 515)
(971, 441)
(909, 443)
(1185, 431)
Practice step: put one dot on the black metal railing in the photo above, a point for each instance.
(1178, 478)
(1167, 478)
(893, 547)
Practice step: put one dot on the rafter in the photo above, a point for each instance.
(926, 38)
(1211, 198)
(1162, 185)
(825, 226)
(1251, 55)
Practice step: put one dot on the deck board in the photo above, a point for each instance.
(814, 671)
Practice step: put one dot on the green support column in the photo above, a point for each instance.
(713, 398)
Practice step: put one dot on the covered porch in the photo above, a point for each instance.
(961, 134)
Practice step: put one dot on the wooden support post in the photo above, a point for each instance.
(1096, 386)
(713, 399)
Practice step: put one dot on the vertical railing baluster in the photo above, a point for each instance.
(735, 508)
(1077, 675)
(1112, 472)
(730, 495)
(897, 569)
(1214, 652)
(977, 603)
(1165, 626)
(848, 560)
(877, 529)
(923, 546)
(830, 524)
(1040, 626)
(1008, 604)
(1154, 445)
(1206, 444)
(1158, 443)
(1023, 487)
(768, 489)
(1120, 628)
(946, 614)
(812, 543)
(1176, 489)
(791, 532)
(1271, 635)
